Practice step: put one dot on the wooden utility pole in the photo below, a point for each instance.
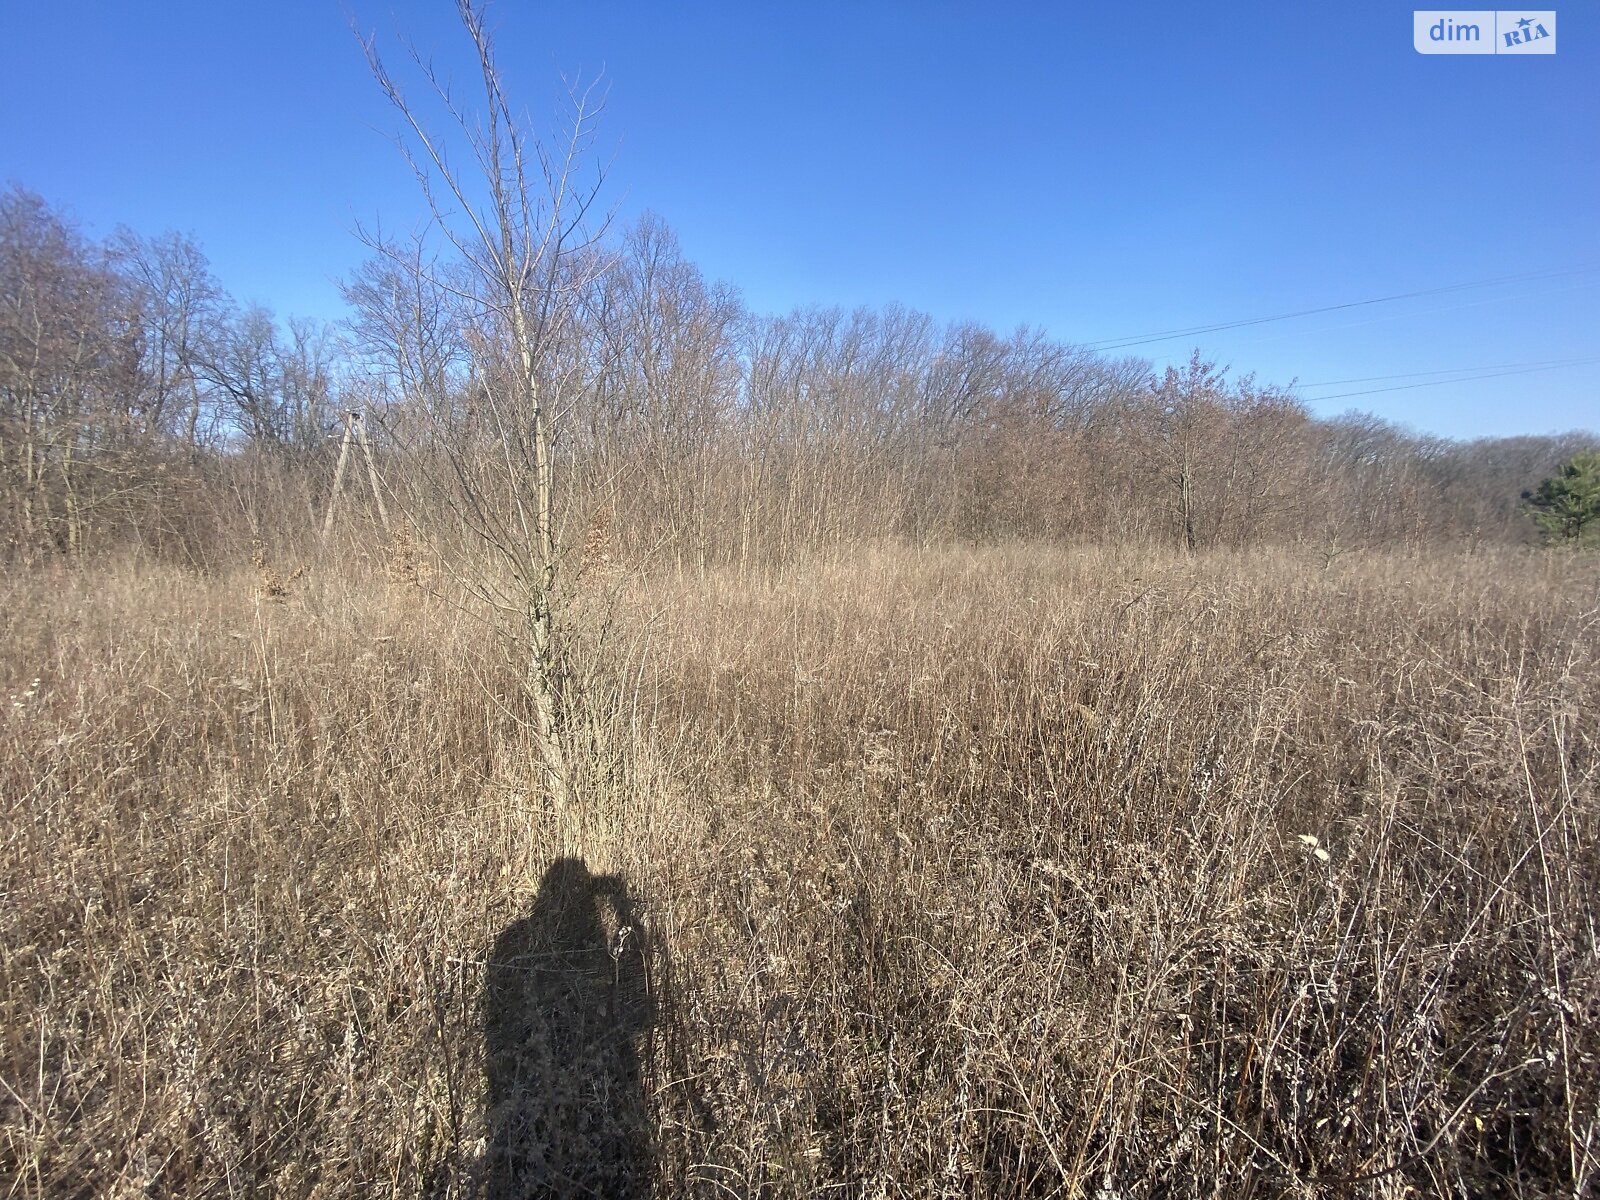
(354, 431)
(372, 471)
(338, 474)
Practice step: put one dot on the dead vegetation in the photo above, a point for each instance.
(957, 872)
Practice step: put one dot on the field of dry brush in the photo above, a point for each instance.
(1002, 872)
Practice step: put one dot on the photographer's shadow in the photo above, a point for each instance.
(566, 1001)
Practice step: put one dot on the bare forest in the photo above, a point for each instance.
(556, 731)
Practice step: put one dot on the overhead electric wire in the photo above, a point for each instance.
(1404, 387)
(1466, 372)
(1419, 312)
(1168, 335)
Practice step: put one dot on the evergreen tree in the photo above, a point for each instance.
(1566, 507)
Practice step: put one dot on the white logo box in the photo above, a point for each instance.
(1484, 31)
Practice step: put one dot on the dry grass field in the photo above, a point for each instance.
(1003, 872)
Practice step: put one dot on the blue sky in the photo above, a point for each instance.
(1099, 172)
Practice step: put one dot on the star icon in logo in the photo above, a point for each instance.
(1525, 22)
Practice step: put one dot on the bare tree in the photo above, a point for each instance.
(514, 216)
(664, 378)
(69, 366)
(1188, 413)
(273, 385)
(409, 330)
(181, 309)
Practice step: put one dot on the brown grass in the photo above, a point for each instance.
(960, 873)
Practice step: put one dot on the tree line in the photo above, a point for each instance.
(141, 404)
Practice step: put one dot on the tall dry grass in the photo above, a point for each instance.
(956, 873)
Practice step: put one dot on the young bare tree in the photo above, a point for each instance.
(1189, 414)
(514, 216)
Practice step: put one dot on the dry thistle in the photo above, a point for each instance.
(596, 562)
(407, 565)
(20, 703)
(1309, 841)
(272, 585)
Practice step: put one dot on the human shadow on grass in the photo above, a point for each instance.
(566, 1002)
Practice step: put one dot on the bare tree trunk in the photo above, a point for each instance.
(543, 666)
(69, 493)
(1186, 506)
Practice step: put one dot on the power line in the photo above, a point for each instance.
(1463, 371)
(1145, 339)
(1421, 312)
(1575, 362)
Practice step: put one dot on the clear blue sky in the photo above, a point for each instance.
(1098, 171)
